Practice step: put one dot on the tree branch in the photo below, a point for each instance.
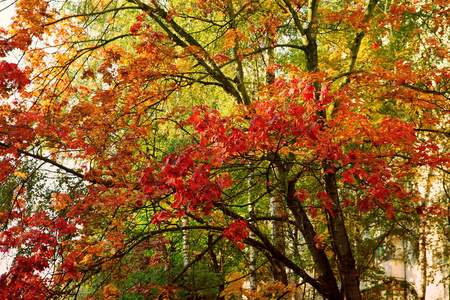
(425, 91)
(360, 35)
(158, 15)
(47, 160)
(433, 131)
(197, 258)
(90, 14)
(297, 22)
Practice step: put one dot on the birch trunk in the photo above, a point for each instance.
(186, 245)
(278, 238)
(251, 250)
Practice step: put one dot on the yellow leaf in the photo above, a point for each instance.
(20, 174)
(233, 36)
(235, 288)
(110, 291)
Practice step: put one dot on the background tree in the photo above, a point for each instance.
(329, 108)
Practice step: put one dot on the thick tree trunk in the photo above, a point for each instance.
(325, 274)
(336, 225)
(340, 241)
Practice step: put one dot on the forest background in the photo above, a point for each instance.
(217, 149)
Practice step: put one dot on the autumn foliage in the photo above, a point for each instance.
(154, 148)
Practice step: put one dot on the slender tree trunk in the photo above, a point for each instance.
(167, 264)
(186, 245)
(270, 77)
(423, 263)
(216, 267)
(276, 201)
(251, 250)
(239, 66)
(278, 238)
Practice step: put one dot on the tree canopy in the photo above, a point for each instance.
(211, 149)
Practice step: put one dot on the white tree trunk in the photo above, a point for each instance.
(251, 250)
(186, 246)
